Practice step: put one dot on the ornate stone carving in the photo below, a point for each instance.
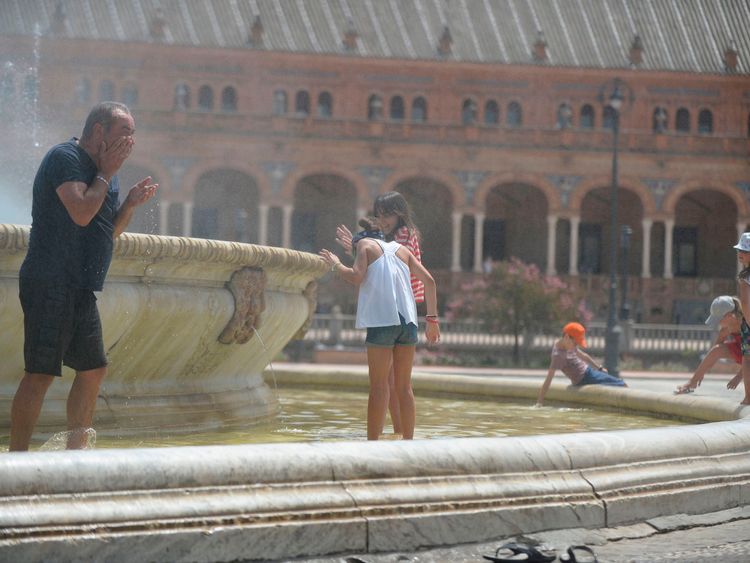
(311, 294)
(247, 286)
(659, 187)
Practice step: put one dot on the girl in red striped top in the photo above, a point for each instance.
(394, 215)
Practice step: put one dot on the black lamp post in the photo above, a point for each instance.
(625, 234)
(613, 94)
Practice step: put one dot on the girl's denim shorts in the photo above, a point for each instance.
(390, 336)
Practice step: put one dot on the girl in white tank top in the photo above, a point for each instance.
(387, 309)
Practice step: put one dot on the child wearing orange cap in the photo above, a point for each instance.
(580, 368)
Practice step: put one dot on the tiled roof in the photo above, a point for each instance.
(677, 35)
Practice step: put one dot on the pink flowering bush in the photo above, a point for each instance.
(517, 299)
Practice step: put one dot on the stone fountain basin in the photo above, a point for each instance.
(277, 501)
(189, 326)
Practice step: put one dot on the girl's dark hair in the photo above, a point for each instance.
(744, 274)
(369, 223)
(393, 203)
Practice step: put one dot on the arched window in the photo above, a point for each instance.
(660, 121)
(491, 113)
(608, 117)
(705, 122)
(419, 109)
(325, 104)
(397, 108)
(129, 95)
(514, 117)
(229, 99)
(83, 90)
(181, 97)
(206, 98)
(302, 103)
(469, 112)
(279, 102)
(682, 121)
(564, 116)
(587, 119)
(106, 91)
(374, 107)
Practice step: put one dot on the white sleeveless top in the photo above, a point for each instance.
(386, 291)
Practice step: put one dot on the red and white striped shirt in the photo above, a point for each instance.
(411, 241)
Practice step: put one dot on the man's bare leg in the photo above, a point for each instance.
(24, 412)
(81, 405)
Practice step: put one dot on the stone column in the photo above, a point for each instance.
(646, 256)
(187, 219)
(456, 242)
(286, 226)
(551, 244)
(263, 224)
(668, 232)
(478, 241)
(574, 223)
(163, 217)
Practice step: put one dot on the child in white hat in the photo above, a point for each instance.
(743, 290)
(726, 315)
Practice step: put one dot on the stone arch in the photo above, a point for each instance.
(554, 203)
(595, 229)
(705, 229)
(195, 172)
(225, 206)
(293, 179)
(515, 223)
(626, 183)
(449, 181)
(322, 201)
(671, 199)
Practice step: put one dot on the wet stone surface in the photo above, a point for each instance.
(720, 536)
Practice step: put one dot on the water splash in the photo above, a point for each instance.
(78, 439)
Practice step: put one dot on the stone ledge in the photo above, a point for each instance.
(276, 501)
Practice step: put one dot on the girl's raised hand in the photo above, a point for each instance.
(344, 238)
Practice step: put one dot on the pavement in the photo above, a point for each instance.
(720, 536)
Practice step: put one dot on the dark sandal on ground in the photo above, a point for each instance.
(579, 554)
(512, 552)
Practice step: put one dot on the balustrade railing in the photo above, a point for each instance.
(333, 329)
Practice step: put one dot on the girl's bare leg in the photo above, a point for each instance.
(378, 362)
(393, 405)
(716, 353)
(403, 359)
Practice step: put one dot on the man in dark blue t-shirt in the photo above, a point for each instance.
(75, 219)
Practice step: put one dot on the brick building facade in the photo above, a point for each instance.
(262, 126)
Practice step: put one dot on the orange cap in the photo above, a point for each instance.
(576, 332)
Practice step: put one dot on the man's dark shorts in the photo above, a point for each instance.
(61, 325)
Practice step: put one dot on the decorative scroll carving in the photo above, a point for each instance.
(247, 286)
(311, 294)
